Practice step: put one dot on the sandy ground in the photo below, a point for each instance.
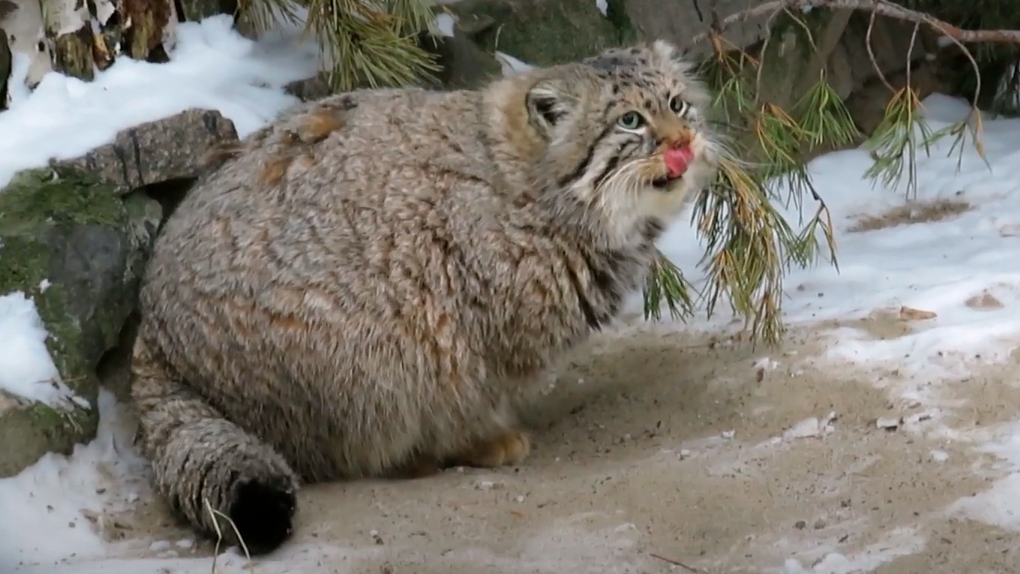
(666, 453)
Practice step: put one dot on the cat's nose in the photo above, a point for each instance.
(673, 134)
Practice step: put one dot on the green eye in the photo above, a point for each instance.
(631, 121)
(679, 106)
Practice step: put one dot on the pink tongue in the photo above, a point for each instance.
(677, 160)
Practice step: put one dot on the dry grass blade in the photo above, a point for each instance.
(216, 516)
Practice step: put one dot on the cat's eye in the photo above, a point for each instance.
(631, 121)
(679, 106)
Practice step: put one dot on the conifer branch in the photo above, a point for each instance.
(878, 7)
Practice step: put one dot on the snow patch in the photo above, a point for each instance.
(26, 368)
(211, 67)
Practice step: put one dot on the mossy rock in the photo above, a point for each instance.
(544, 32)
(78, 250)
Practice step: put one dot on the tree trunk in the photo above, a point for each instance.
(66, 24)
(88, 35)
(195, 10)
(5, 68)
(23, 23)
(148, 29)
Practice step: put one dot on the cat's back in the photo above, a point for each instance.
(350, 181)
(358, 148)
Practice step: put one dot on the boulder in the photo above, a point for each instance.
(314, 88)
(542, 32)
(77, 248)
(463, 64)
(153, 152)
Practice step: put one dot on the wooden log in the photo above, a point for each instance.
(88, 35)
(147, 24)
(108, 35)
(67, 29)
(24, 26)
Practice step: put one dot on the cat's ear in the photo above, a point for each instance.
(549, 102)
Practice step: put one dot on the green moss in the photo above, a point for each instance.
(47, 418)
(24, 262)
(30, 431)
(71, 197)
(47, 227)
(33, 203)
(65, 332)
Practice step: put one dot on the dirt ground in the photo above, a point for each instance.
(659, 453)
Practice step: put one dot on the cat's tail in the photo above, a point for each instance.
(213, 473)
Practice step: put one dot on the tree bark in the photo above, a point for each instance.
(88, 35)
(195, 10)
(5, 68)
(24, 25)
(105, 43)
(148, 26)
(66, 24)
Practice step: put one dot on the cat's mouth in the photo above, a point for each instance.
(665, 182)
(677, 161)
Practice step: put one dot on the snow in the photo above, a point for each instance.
(52, 495)
(945, 267)
(445, 23)
(998, 505)
(26, 368)
(959, 275)
(512, 66)
(212, 68)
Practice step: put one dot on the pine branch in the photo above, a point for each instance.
(879, 7)
(369, 42)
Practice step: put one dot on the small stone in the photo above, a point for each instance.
(729, 434)
(520, 498)
(800, 525)
(819, 524)
(888, 423)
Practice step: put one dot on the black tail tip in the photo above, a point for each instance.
(264, 515)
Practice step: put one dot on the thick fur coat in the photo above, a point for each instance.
(361, 288)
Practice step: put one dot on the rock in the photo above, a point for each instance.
(541, 32)
(5, 69)
(30, 430)
(314, 88)
(165, 149)
(78, 251)
(463, 65)
(678, 22)
(7, 8)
